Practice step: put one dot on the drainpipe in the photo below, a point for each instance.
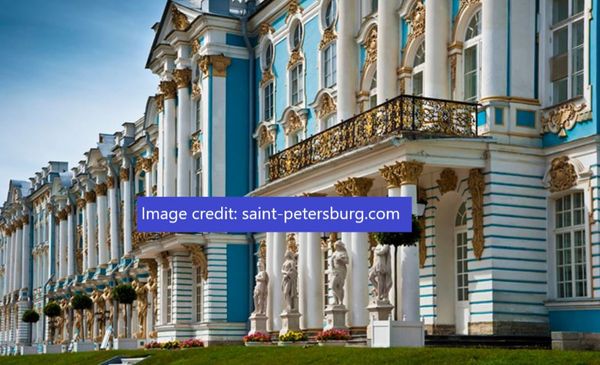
(252, 99)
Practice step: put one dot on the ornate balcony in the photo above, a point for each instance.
(407, 116)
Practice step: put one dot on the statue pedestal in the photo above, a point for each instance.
(126, 344)
(289, 322)
(52, 349)
(380, 310)
(335, 316)
(397, 334)
(83, 346)
(258, 324)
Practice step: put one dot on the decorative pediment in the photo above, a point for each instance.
(328, 37)
(326, 106)
(416, 20)
(267, 76)
(562, 118)
(293, 8)
(295, 57)
(293, 122)
(266, 135)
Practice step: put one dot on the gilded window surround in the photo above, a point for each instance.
(266, 134)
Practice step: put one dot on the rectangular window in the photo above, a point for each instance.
(198, 114)
(169, 298)
(471, 73)
(268, 101)
(418, 84)
(570, 241)
(329, 66)
(566, 64)
(297, 87)
(268, 152)
(198, 175)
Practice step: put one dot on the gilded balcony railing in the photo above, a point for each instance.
(406, 115)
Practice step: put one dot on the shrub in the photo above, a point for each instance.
(258, 337)
(124, 293)
(30, 316)
(401, 238)
(152, 345)
(52, 309)
(333, 335)
(192, 342)
(293, 336)
(170, 345)
(81, 302)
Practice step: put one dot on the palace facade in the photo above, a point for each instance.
(482, 110)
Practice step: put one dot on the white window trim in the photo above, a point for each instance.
(301, 85)
(475, 41)
(322, 78)
(546, 52)
(551, 219)
(198, 286)
(262, 104)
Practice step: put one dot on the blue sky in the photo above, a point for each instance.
(69, 69)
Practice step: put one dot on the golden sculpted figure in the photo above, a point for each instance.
(152, 287)
(100, 306)
(108, 300)
(142, 307)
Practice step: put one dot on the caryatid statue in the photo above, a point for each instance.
(60, 322)
(380, 274)
(108, 300)
(100, 306)
(142, 307)
(339, 263)
(289, 284)
(261, 289)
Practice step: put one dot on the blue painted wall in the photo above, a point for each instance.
(575, 320)
(238, 120)
(238, 289)
(312, 39)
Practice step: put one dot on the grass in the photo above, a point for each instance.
(320, 355)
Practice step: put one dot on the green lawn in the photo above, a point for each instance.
(317, 355)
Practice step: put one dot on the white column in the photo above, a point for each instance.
(71, 241)
(7, 263)
(148, 171)
(184, 157)
(26, 256)
(409, 266)
(18, 257)
(102, 206)
(115, 239)
(435, 75)
(160, 107)
(62, 244)
(127, 207)
(90, 215)
(388, 41)
(169, 89)
(302, 279)
(82, 206)
(493, 48)
(314, 282)
(271, 272)
(347, 59)
(279, 246)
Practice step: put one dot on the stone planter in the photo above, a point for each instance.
(257, 344)
(333, 343)
(292, 344)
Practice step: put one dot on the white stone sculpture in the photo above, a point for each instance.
(339, 263)
(380, 274)
(289, 284)
(261, 289)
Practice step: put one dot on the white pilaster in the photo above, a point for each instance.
(102, 212)
(302, 279)
(115, 239)
(170, 162)
(493, 48)
(279, 246)
(388, 42)
(435, 76)
(70, 242)
(346, 60)
(313, 312)
(26, 256)
(184, 157)
(18, 258)
(91, 229)
(127, 209)
(62, 245)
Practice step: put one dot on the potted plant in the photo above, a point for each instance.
(82, 302)
(333, 337)
(125, 294)
(52, 310)
(293, 338)
(30, 316)
(257, 339)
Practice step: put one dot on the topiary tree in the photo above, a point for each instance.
(125, 294)
(52, 310)
(81, 302)
(30, 316)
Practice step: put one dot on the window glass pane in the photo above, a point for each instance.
(474, 27)
(560, 41)
(471, 73)
(330, 13)
(418, 84)
(577, 6)
(560, 10)
(420, 55)
(560, 91)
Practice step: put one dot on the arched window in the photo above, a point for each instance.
(417, 73)
(471, 57)
(373, 92)
(462, 276)
(199, 299)
(296, 35)
(330, 13)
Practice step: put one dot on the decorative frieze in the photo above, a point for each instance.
(168, 89)
(562, 118)
(562, 174)
(182, 77)
(447, 181)
(476, 184)
(354, 186)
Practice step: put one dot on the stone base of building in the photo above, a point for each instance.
(503, 328)
(83, 346)
(397, 334)
(28, 350)
(126, 344)
(52, 349)
(440, 329)
(211, 333)
(575, 341)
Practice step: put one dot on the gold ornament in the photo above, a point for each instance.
(124, 174)
(371, 47)
(293, 9)
(168, 89)
(198, 259)
(562, 174)
(101, 189)
(561, 119)
(329, 36)
(417, 21)
(354, 186)
(476, 188)
(182, 77)
(295, 58)
(326, 106)
(267, 76)
(159, 100)
(447, 181)
(90, 196)
(293, 124)
(265, 28)
(180, 21)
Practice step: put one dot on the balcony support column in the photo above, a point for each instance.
(346, 60)
(115, 237)
(387, 50)
(169, 89)
(278, 250)
(493, 48)
(102, 206)
(70, 241)
(357, 279)
(182, 78)
(90, 215)
(435, 75)
(127, 209)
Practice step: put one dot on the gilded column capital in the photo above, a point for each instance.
(159, 100)
(81, 203)
(168, 89)
(219, 64)
(402, 173)
(124, 174)
(101, 189)
(25, 219)
(62, 214)
(354, 186)
(18, 224)
(182, 77)
(110, 182)
(90, 196)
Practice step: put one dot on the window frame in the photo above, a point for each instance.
(198, 295)
(418, 69)
(329, 69)
(168, 295)
(296, 74)
(268, 106)
(473, 42)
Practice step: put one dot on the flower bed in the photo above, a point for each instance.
(333, 335)
(174, 345)
(258, 337)
(293, 338)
